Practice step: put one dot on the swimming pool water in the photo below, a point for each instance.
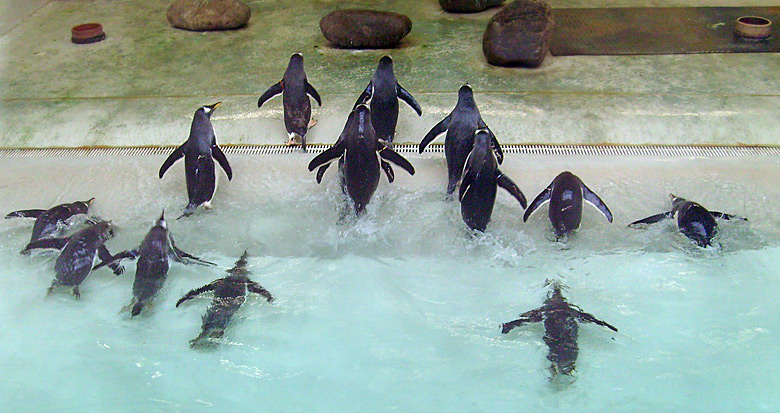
(401, 309)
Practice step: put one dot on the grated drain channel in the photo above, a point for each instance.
(588, 150)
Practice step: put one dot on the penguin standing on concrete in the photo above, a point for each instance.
(198, 151)
(384, 91)
(481, 178)
(152, 267)
(229, 295)
(295, 90)
(565, 195)
(50, 222)
(693, 220)
(360, 156)
(78, 255)
(560, 329)
(461, 125)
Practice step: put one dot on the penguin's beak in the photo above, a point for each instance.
(214, 106)
(162, 215)
(88, 202)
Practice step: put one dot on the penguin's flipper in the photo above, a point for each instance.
(321, 172)
(26, 213)
(105, 256)
(588, 318)
(594, 200)
(465, 183)
(195, 292)
(533, 316)
(394, 157)
(496, 146)
(511, 187)
(217, 153)
(172, 158)
(312, 92)
(722, 215)
(437, 130)
(540, 199)
(179, 256)
(408, 98)
(131, 254)
(46, 243)
(388, 170)
(365, 96)
(271, 92)
(258, 289)
(334, 152)
(652, 219)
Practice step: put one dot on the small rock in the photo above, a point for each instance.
(208, 14)
(519, 34)
(365, 29)
(468, 6)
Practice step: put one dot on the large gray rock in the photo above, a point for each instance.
(468, 6)
(519, 34)
(208, 14)
(365, 29)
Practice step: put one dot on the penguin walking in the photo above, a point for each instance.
(481, 178)
(693, 220)
(384, 91)
(198, 151)
(360, 156)
(153, 263)
(50, 222)
(560, 329)
(229, 294)
(295, 90)
(565, 195)
(461, 126)
(78, 255)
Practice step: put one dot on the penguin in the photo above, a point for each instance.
(78, 255)
(565, 194)
(294, 88)
(229, 294)
(198, 151)
(481, 178)
(50, 222)
(384, 91)
(360, 156)
(693, 220)
(152, 266)
(461, 125)
(560, 329)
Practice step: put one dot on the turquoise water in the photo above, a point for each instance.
(401, 309)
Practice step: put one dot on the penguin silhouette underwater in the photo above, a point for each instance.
(229, 294)
(199, 152)
(79, 251)
(51, 222)
(693, 220)
(383, 92)
(360, 156)
(461, 126)
(565, 195)
(295, 90)
(481, 179)
(153, 263)
(560, 329)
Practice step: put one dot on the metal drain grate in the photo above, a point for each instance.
(587, 150)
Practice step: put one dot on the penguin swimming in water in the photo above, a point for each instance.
(481, 178)
(198, 151)
(565, 194)
(461, 126)
(360, 156)
(693, 220)
(50, 222)
(78, 254)
(295, 90)
(384, 91)
(560, 329)
(152, 267)
(229, 295)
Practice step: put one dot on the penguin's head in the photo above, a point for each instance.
(481, 135)
(209, 109)
(385, 63)
(81, 207)
(677, 201)
(296, 57)
(161, 221)
(465, 92)
(556, 293)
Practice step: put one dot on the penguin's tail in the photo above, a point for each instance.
(137, 307)
(207, 338)
(188, 210)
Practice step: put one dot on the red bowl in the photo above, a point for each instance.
(87, 33)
